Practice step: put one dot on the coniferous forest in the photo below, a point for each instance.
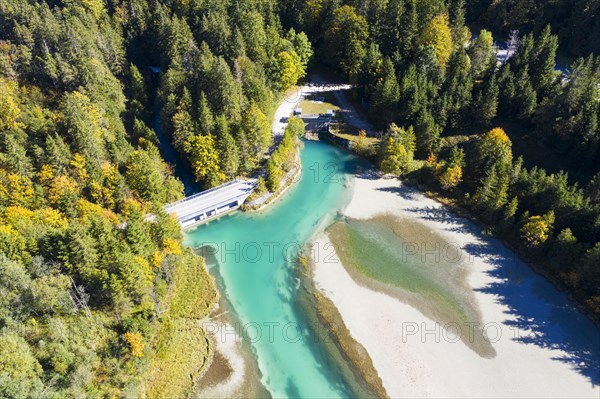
(98, 300)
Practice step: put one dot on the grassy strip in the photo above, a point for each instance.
(311, 107)
(181, 348)
(182, 352)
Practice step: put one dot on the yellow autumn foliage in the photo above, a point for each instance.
(9, 106)
(431, 160)
(204, 156)
(145, 266)
(12, 243)
(52, 218)
(497, 135)
(437, 33)
(101, 194)
(46, 175)
(496, 144)
(93, 112)
(21, 218)
(535, 231)
(171, 247)
(450, 177)
(60, 187)
(136, 343)
(15, 189)
(131, 206)
(78, 164)
(290, 69)
(86, 208)
(156, 259)
(96, 7)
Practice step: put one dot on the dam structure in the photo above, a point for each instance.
(208, 204)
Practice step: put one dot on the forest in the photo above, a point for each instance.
(478, 130)
(98, 300)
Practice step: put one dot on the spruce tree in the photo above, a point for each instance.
(386, 95)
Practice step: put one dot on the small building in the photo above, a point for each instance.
(316, 123)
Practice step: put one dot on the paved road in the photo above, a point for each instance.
(318, 85)
(350, 114)
(223, 198)
(286, 108)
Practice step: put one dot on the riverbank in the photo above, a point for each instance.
(542, 345)
(342, 350)
(287, 181)
(231, 371)
(257, 275)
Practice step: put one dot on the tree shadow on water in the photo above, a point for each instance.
(537, 313)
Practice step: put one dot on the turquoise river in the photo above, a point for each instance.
(255, 253)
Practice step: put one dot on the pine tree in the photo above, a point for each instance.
(427, 133)
(492, 193)
(397, 149)
(205, 116)
(257, 130)
(228, 148)
(485, 105)
(391, 38)
(409, 27)
(507, 90)
(457, 89)
(385, 95)
(525, 95)
(542, 69)
(204, 158)
(183, 128)
(593, 188)
(370, 69)
(482, 54)
(456, 14)
(345, 40)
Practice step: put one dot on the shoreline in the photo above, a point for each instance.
(346, 354)
(529, 260)
(232, 370)
(286, 183)
(414, 368)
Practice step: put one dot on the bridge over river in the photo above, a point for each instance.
(211, 203)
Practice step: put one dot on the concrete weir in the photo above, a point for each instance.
(206, 205)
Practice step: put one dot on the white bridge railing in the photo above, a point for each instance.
(201, 193)
(208, 204)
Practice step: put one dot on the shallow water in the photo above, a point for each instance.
(414, 265)
(255, 254)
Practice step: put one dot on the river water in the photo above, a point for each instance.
(255, 255)
(254, 260)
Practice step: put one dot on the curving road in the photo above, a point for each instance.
(317, 85)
